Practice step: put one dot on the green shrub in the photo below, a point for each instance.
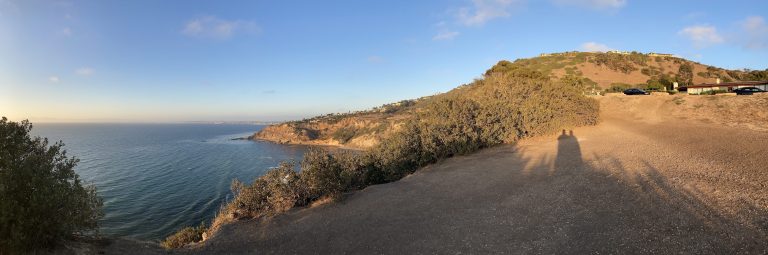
(653, 85)
(685, 74)
(343, 135)
(184, 236)
(353, 169)
(619, 62)
(321, 174)
(276, 191)
(618, 87)
(713, 92)
(42, 199)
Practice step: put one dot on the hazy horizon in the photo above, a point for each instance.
(179, 61)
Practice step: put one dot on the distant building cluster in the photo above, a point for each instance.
(726, 86)
(619, 52)
(567, 53)
(652, 54)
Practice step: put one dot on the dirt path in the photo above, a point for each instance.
(629, 185)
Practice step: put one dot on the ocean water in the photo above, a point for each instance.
(157, 178)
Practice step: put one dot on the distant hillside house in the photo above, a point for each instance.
(654, 54)
(545, 55)
(727, 86)
(619, 52)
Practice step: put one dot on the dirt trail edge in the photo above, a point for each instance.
(629, 185)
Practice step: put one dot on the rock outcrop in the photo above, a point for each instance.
(356, 131)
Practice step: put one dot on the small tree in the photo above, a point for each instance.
(42, 199)
(654, 85)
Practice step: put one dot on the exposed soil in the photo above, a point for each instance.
(605, 76)
(646, 180)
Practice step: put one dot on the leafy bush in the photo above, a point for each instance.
(43, 199)
(184, 236)
(343, 135)
(619, 62)
(713, 92)
(654, 85)
(276, 191)
(685, 74)
(618, 87)
(320, 174)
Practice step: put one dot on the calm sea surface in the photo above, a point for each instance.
(157, 178)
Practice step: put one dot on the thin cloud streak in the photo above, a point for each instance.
(212, 27)
(702, 36)
(483, 11)
(595, 47)
(445, 36)
(85, 71)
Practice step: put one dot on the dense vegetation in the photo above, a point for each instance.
(184, 236)
(42, 199)
(509, 103)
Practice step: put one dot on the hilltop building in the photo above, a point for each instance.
(619, 52)
(727, 86)
(654, 54)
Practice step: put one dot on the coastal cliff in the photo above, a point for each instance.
(354, 130)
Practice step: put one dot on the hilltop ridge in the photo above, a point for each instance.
(597, 72)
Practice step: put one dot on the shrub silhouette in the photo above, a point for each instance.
(184, 236)
(320, 174)
(276, 191)
(42, 199)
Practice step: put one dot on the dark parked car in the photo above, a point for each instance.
(635, 92)
(748, 91)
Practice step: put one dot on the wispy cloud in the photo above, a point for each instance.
(54, 79)
(595, 47)
(594, 4)
(702, 36)
(483, 11)
(445, 35)
(755, 32)
(212, 27)
(695, 15)
(85, 71)
(375, 59)
(65, 32)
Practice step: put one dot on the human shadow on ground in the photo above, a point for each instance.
(513, 199)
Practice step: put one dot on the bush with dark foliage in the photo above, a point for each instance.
(42, 199)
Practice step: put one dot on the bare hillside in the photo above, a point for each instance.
(747, 112)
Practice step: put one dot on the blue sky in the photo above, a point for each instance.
(161, 61)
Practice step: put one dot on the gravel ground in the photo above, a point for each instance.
(636, 183)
